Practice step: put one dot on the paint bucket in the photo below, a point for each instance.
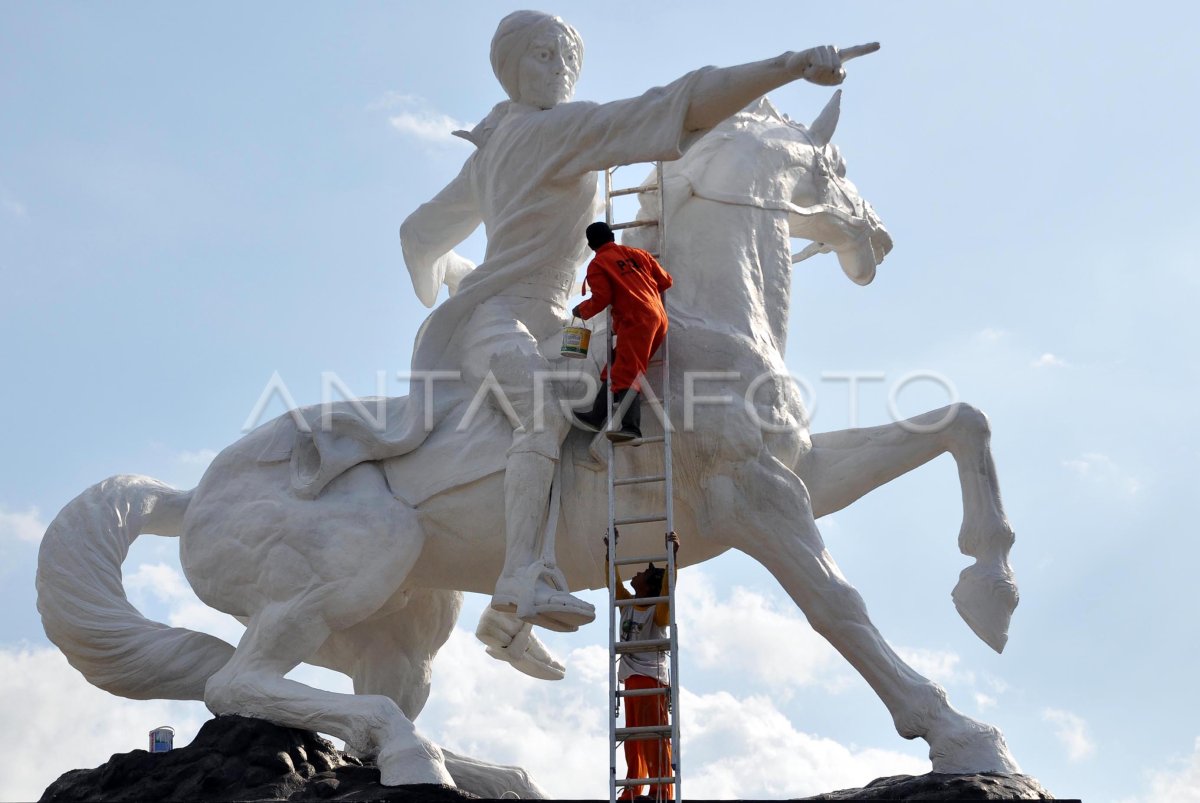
(575, 341)
(162, 739)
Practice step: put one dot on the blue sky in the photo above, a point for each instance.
(193, 198)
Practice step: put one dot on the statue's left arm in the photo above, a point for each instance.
(429, 234)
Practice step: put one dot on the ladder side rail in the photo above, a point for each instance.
(613, 624)
(669, 490)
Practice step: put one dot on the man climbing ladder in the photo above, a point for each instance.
(631, 282)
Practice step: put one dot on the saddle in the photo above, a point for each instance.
(337, 437)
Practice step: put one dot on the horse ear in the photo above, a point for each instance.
(822, 128)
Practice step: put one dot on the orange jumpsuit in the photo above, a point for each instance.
(632, 282)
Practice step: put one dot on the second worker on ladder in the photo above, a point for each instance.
(632, 282)
(647, 757)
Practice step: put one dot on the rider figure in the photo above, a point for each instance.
(531, 182)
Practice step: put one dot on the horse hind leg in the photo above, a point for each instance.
(253, 684)
(764, 510)
(844, 466)
(287, 630)
(393, 656)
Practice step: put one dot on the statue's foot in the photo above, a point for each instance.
(985, 597)
(510, 640)
(965, 746)
(536, 601)
(404, 762)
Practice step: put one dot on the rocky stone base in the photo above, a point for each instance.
(936, 786)
(234, 758)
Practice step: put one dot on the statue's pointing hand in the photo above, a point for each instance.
(823, 65)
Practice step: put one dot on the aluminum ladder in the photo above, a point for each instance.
(670, 645)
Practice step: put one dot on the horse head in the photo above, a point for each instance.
(760, 157)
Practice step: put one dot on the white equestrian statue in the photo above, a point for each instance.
(366, 578)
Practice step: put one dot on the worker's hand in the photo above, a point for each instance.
(824, 65)
(673, 539)
(577, 310)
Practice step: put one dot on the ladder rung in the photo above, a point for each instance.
(642, 781)
(625, 603)
(639, 480)
(657, 691)
(644, 645)
(647, 559)
(637, 224)
(632, 190)
(639, 519)
(644, 732)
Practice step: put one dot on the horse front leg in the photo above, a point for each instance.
(761, 507)
(844, 466)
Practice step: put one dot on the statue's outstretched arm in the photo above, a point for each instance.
(428, 235)
(723, 92)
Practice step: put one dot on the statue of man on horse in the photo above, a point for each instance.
(531, 182)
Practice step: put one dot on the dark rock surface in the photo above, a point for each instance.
(936, 786)
(234, 758)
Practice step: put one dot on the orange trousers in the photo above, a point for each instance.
(647, 758)
(636, 344)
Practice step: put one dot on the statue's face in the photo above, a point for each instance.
(548, 70)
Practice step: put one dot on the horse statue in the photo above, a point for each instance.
(366, 578)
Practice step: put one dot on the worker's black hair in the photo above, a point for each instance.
(598, 234)
(655, 575)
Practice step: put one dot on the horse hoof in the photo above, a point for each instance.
(414, 764)
(972, 747)
(985, 597)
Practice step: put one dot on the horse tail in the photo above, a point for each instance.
(82, 601)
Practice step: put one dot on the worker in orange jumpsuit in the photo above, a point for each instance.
(646, 758)
(632, 282)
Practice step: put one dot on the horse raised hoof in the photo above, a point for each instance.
(968, 747)
(986, 596)
(510, 640)
(409, 763)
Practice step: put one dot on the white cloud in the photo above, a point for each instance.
(27, 526)
(991, 335)
(1048, 360)
(746, 748)
(60, 722)
(12, 206)
(200, 457)
(940, 666)
(1102, 469)
(558, 731)
(1181, 784)
(752, 634)
(415, 117)
(984, 701)
(152, 583)
(1072, 731)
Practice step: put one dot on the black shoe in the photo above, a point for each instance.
(631, 422)
(594, 419)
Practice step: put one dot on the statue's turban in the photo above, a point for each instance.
(513, 36)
